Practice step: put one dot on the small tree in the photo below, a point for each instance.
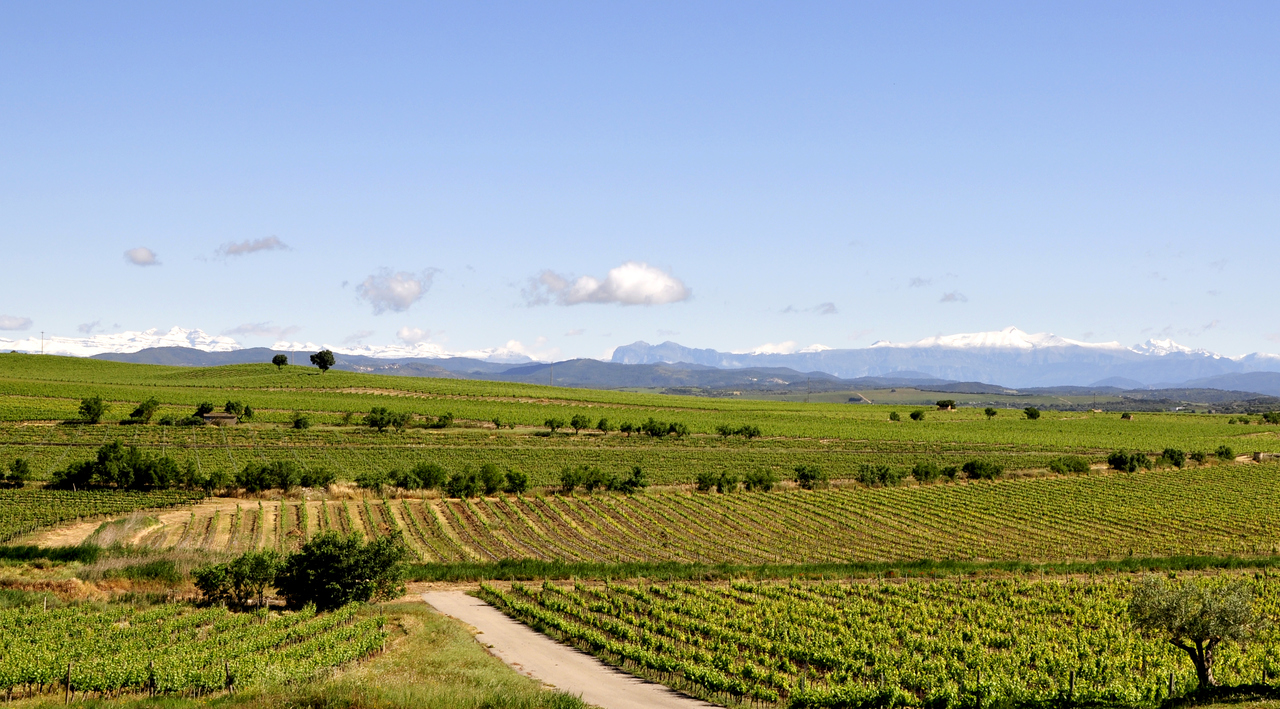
(990, 412)
(19, 473)
(203, 408)
(333, 570)
(1225, 453)
(627, 428)
(517, 482)
(145, 410)
(895, 416)
(492, 478)
(946, 404)
(917, 415)
(380, 417)
(280, 361)
(1174, 457)
(982, 470)
(554, 424)
(926, 471)
(324, 360)
(92, 409)
(810, 477)
(300, 421)
(1195, 617)
(1031, 413)
(430, 475)
(634, 482)
(604, 426)
(579, 422)
(761, 479)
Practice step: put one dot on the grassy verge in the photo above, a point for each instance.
(435, 663)
(531, 570)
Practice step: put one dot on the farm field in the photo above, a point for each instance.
(1011, 642)
(1211, 511)
(38, 394)
(24, 511)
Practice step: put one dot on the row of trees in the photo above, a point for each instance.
(329, 571)
(93, 408)
(592, 478)
(1031, 412)
(489, 479)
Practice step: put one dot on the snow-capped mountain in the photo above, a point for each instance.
(129, 341)
(1009, 357)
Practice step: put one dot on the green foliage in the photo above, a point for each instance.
(317, 477)
(1271, 417)
(1195, 616)
(1174, 457)
(301, 421)
(759, 480)
(879, 474)
(1224, 452)
(323, 359)
(746, 431)
(722, 481)
(381, 418)
(810, 477)
(989, 412)
(463, 484)
(579, 422)
(895, 416)
(92, 409)
(280, 474)
(240, 581)
(19, 473)
(280, 361)
(944, 404)
(1031, 412)
(982, 470)
(428, 476)
(635, 481)
(926, 471)
(203, 408)
(1198, 456)
(444, 420)
(517, 482)
(492, 479)
(554, 424)
(603, 425)
(333, 570)
(374, 479)
(917, 415)
(145, 410)
(1128, 462)
(122, 467)
(1066, 464)
(660, 429)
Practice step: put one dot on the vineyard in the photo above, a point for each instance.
(174, 649)
(936, 644)
(24, 511)
(1220, 510)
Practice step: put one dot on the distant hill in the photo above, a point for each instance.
(1260, 382)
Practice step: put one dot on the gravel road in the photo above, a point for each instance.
(564, 668)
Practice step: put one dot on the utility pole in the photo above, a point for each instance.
(42, 342)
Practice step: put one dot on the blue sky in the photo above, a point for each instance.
(814, 173)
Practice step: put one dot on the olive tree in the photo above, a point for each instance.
(280, 361)
(324, 360)
(990, 412)
(1195, 616)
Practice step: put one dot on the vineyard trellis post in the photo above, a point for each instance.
(1170, 683)
(1071, 687)
(66, 699)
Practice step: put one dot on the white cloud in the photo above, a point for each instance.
(271, 243)
(89, 327)
(141, 256)
(825, 309)
(632, 283)
(395, 291)
(263, 329)
(774, 348)
(356, 337)
(574, 333)
(413, 335)
(954, 297)
(13, 322)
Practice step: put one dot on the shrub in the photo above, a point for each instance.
(333, 570)
(945, 404)
(951, 472)
(1128, 462)
(121, 467)
(1225, 453)
(990, 412)
(627, 428)
(239, 581)
(810, 477)
(1065, 464)
(593, 477)
(317, 478)
(1031, 412)
(571, 478)
(723, 481)
(895, 416)
(381, 418)
(92, 409)
(917, 415)
(145, 410)
(517, 482)
(879, 474)
(1198, 456)
(19, 473)
(926, 472)
(430, 476)
(282, 474)
(554, 424)
(203, 408)
(705, 480)
(492, 479)
(1174, 457)
(759, 480)
(604, 426)
(634, 482)
(579, 422)
(463, 484)
(982, 470)
(374, 480)
(1271, 417)
(300, 421)
(445, 420)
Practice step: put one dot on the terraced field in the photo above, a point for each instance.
(1221, 510)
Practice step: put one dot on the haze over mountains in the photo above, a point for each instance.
(1008, 358)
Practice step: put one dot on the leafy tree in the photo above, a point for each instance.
(203, 408)
(1195, 617)
(593, 477)
(1224, 452)
(19, 473)
(300, 421)
(381, 418)
(951, 472)
(1031, 412)
(517, 482)
(497, 422)
(678, 429)
(280, 361)
(655, 428)
(895, 416)
(463, 484)
(810, 477)
(1065, 464)
(579, 422)
(92, 409)
(145, 410)
(926, 471)
(1198, 456)
(627, 428)
(945, 404)
(917, 415)
(604, 426)
(233, 407)
(279, 474)
(759, 480)
(1128, 462)
(1174, 457)
(317, 478)
(444, 420)
(990, 412)
(430, 475)
(554, 424)
(333, 570)
(492, 478)
(214, 583)
(879, 474)
(982, 470)
(571, 478)
(374, 480)
(634, 482)
(1271, 417)
(323, 359)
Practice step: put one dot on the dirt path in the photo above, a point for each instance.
(73, 533)
(564, 668)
